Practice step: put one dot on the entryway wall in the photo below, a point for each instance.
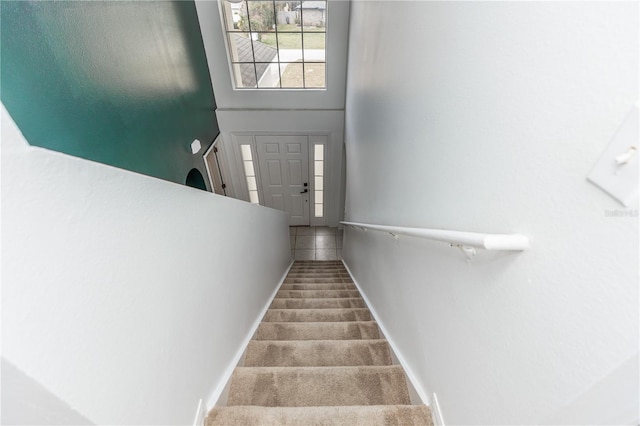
(238, 126)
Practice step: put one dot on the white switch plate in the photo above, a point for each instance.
(620, 180)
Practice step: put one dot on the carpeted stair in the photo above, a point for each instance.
(318, 358)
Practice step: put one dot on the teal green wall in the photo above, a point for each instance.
(121, 83)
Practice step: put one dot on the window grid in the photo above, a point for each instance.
(318, 180)
(258, 75)
(250, 173)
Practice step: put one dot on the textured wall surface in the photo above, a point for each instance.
(487, 117)
(121, 83)
(125, 298)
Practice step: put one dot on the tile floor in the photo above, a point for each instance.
(315, 243)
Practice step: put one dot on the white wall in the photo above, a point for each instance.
(487, 117)
(124, 298)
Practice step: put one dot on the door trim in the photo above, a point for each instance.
(249, 138)
(218, 160)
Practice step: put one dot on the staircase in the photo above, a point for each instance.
(318, 359)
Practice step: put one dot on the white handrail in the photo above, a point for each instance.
(455, 238)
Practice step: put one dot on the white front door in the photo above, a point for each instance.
(284, 173)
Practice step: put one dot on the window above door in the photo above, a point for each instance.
(275, 45)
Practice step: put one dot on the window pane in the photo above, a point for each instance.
(260, 55)
(314, 49)
(248, 168)
(289, 47)
(240, 47)
(251, 183)
(261, 16)
(268, 75)
(264, 47)
(318, 185)
(291, 75)
(287, 18)
(319, 168)
(246, 152)
(264, 40)
(253, 197)
(314, 75)
(319, 210)
(244, 75)
(318, 153)
(318, 196)
(314, 15)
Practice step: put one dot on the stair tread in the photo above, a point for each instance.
(334, 280)
(344, 330)
(291, 294)
(317, 353)
(317, 303)
(318, 386)
(355, 415)
(321, 274)
(312, 266)
(318, 266)
(317, 315)
(318, 286)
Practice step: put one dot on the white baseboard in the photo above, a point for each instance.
(200, 414)
(436, 414)
(213, 399)
(409, 373)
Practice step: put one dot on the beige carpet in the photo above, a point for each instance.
(318, 358)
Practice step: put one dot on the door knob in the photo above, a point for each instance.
(304, 192)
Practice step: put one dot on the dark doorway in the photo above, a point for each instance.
(195, 180)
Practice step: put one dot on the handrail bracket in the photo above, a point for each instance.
(469, 252)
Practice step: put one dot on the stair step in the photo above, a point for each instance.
(314, 280)
(318, 386)
(315, 294)
(320, 269)
(317, 315)
(319, 275)
(319, 265)
(311, 263)
(317, 303)
(318, 286)
(317, 353)
(372, 415)
(317, 330)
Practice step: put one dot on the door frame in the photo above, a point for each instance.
(249, 138)
(216, 145)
